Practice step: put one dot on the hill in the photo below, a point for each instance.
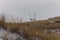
(34, 29)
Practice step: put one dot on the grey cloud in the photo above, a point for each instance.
(22, 8)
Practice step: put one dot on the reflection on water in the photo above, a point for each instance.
(10, 36)
(14, 36)
(52, 31)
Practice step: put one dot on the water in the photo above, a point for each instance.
(13, 36)
(53, 31)
(10, 36)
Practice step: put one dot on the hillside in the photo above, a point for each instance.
(34, 29)
(52, 23)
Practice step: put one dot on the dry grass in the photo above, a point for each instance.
(34, 29)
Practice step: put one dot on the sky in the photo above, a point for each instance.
(23, 8)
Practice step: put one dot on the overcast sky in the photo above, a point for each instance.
(22, 8)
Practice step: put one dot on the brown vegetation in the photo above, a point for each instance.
(33, 29)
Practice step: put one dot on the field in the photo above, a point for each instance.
(34, 30)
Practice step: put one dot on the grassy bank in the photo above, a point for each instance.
(33, 30)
